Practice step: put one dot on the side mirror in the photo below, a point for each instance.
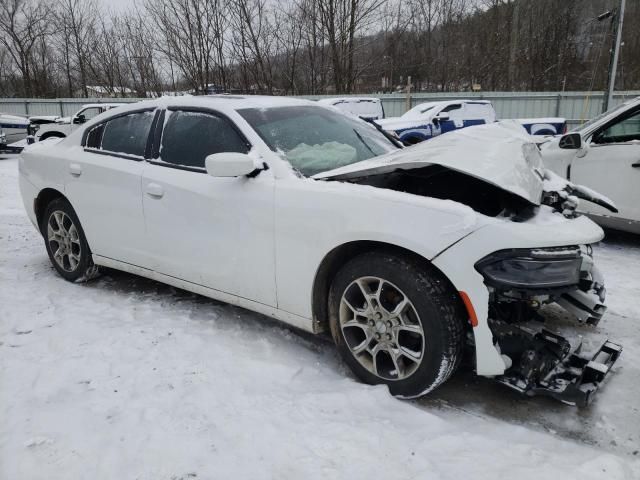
(442, 116)
(571, 141)
(79, 119)
(229, 164)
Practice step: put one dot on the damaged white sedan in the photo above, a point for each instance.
(406, 256)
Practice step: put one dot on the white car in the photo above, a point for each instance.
(604, 154)
(367, 108)
(14, 127)
(42, 127)
(301, 213)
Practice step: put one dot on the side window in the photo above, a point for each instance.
(94, 137)
(87, 114)
(127, 134)
(625, 130)
(450, 108)
(188, 138)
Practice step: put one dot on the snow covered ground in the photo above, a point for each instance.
(127, 378)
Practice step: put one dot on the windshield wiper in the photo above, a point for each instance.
(365, 143)
(388, 136)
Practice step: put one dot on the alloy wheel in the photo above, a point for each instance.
(382, 328)
(64, 241)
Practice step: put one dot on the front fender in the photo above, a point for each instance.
(315, 217)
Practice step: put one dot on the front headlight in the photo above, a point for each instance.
(536, 268)
(33, 128)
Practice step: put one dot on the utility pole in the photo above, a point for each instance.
(613, 59)
(407, 105)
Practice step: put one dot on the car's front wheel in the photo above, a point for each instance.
(66, 243)
(396, 322)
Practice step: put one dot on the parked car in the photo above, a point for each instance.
(604, 154)
(15, 127)
(299, 212)
(367, 108)
(42, 128)
(431, 119)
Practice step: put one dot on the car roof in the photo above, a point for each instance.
(334, 100)
(442, 103)
(91, 105)
(220, 102)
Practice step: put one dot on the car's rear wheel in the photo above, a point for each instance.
(66, 242)
(396, 322)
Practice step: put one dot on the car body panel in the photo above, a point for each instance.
(228, 221)
(314, 217)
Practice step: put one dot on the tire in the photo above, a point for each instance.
(361, 330)
(66, 242)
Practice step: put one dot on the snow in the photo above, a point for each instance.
(541, 120)
(127, 378)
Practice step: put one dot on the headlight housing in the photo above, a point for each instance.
(532, 269)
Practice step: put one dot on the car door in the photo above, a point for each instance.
(475, 114)
(611, 166)
(84, 115)
(103, 186)
(455, 120)
(215, 232)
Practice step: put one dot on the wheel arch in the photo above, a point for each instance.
(44, 198)
(338, 256)
(52, 134)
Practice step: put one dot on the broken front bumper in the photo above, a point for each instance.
(539, 361)
(551, 367)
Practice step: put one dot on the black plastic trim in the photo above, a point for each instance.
(114, 154)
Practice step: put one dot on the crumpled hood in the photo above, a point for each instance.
(500, 153)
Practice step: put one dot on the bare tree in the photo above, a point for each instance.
(192, 36)
(343, 20)
(76, 23)
(22, 24)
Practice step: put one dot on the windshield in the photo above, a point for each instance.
(418, 111)
(597, 118)
(316, 139)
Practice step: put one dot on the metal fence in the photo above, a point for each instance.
(576, 107)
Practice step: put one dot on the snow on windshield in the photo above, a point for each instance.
(315, 139)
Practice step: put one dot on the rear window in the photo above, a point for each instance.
(127, 134)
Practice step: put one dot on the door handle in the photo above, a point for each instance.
(154, 190)
(75, 169)
(636, 165)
